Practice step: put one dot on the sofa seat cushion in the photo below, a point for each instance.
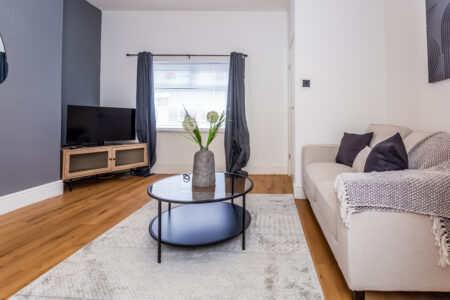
(328, 204)
(318, 172)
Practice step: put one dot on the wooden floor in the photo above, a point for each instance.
(36, 238)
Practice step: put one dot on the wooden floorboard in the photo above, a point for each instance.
(35, 238)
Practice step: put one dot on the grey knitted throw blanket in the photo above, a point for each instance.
(422, 189)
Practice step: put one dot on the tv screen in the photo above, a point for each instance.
(96, 125)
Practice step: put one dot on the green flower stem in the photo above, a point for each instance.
(195, 136)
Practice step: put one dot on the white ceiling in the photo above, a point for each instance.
(246, 5)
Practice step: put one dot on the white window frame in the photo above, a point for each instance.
(180, 129)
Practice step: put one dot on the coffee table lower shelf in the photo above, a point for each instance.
(200, 224)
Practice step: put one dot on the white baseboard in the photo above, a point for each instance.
(267, 169)
(180, 168)
(29, 196)
(299, 192)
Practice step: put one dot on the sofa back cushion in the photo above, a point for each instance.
(382, 132)
(360, 160)
(415, 137)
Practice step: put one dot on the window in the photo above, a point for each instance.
(198, 86)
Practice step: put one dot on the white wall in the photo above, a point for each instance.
(340, 47)
(411, 100)
(262, 35)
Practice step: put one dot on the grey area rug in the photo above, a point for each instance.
(121, 263)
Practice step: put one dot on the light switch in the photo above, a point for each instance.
(306, 83)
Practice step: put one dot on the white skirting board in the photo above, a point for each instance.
(179, 168)
(29, 196)
(299, 192)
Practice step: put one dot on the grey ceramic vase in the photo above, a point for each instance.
(204, 173)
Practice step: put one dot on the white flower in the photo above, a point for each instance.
(212, 116)
(189, 124)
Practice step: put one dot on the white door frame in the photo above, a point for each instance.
(291, 111)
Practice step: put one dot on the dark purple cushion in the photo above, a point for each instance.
(389, 155)
(351, 145)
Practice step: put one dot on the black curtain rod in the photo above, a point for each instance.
(188, 55)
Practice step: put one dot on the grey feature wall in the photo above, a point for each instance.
(54, 60)
(81, 57)
(30, 98)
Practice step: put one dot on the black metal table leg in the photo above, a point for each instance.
(159, 231)
(243, 222)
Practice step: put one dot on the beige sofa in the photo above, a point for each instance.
(381, 251)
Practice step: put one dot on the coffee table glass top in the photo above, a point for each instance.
(178, 189)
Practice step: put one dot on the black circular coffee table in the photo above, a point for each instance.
(209, 221)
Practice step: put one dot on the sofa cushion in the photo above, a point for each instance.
(351, 145)
(382, 132)
(415, 137)
(319, 172)
(360, 160)
(328, 204)
(389, 155)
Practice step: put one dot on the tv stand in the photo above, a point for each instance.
(88, 161)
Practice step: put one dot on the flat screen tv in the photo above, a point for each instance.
(91, 125)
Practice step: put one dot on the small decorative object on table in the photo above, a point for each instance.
(204, 173)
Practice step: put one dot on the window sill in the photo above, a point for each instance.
(181, 130)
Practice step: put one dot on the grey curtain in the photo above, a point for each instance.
(145, 110)
(237, 140)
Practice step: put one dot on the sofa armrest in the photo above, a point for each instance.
(319, 153)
